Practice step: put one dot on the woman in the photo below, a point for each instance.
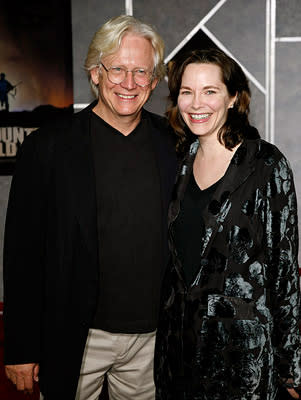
(229, 320)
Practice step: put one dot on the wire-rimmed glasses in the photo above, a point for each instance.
(117, 75)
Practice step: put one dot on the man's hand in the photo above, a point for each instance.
(293, 393)
(23, 376)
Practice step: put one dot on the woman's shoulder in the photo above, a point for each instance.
(264, 150)
(268, 158)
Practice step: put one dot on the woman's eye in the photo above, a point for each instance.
(185, 92)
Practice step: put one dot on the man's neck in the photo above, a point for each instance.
(124, 124)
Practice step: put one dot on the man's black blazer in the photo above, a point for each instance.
(50, 253)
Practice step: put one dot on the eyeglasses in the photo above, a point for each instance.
(117, 75)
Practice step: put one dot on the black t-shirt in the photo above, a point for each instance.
(188, 228)
(129, 228)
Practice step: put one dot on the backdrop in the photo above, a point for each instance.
(264, 36)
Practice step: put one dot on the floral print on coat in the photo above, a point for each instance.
(233, 332)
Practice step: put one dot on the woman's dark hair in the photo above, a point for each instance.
(237, 126)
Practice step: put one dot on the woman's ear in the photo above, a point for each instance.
(233, 101)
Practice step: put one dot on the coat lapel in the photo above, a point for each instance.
(214, 215)
(182, 180)
(237, 173)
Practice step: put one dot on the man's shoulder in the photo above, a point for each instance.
(60, 128)
(52, 131)
(161, 124)
(53, 138)
(158, 120)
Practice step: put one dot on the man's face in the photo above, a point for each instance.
(118, 102)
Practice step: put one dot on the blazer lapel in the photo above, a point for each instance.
(79, 159)
(166, 162)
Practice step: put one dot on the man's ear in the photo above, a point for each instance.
(95, 75)
(154, 83)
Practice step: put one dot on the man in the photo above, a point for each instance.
(5, 88)
(85, 241)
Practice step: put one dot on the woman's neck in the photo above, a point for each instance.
(211, 162)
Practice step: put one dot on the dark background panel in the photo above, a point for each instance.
(257, 109)
(288, 106)
(240, 26)
(174, 19)
(288, 18)
(87, 18)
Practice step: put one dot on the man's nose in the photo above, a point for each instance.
(129, 82)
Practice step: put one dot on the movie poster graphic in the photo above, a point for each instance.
(35, 70)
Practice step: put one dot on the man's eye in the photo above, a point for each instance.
(210, 92)
(141, 72)
(116, 69)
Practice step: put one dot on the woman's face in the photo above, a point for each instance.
(203, 99)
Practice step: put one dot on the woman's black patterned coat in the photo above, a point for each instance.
(234, 332)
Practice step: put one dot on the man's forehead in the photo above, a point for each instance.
(133, 49)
